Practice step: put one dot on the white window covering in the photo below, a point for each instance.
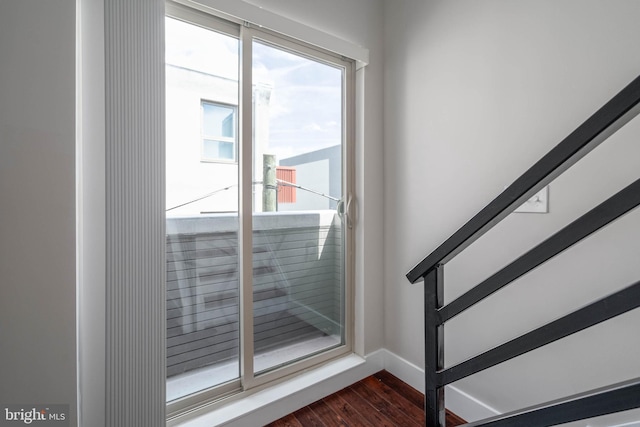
(135, 223)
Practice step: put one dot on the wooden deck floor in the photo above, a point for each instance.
(377, 401)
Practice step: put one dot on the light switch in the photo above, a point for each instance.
(539, 203)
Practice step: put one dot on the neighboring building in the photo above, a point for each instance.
(202, 150)
(202, 140)
(319, 177)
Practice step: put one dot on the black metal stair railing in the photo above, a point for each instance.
(615, 398)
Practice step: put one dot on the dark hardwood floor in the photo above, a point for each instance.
(380, 400)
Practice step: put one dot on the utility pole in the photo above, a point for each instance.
(269, 183)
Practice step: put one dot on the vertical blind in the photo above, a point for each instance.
(135, 223)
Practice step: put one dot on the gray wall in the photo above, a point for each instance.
(37, 203)
(475, 92)
(320, 171)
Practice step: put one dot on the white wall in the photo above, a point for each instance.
(37, 203)
(359, 22)
(475, 92)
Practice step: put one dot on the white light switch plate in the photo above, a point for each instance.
(539, 203)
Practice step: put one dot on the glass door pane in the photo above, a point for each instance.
(202, 208)
(298, 243)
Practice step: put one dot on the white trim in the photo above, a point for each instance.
(176, 9)
(268, 404)
(79, 205)
(466, 406)
(266, 19)
(245, 236)
(376, 360)
(403, 369)
(457, 401)
(630, 424)
(91, 213)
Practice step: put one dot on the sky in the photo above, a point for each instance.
(306, 98)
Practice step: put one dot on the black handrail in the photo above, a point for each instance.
(608, 119)
(608, 211)
(613, 115)
(594, 313)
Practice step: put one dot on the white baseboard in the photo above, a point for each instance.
(282, 399)
(457, 401)
(403, 369)
(466, 406)
(630, 424)
(277, 401)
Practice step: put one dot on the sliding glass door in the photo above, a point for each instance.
(258, 227)
(298, 241)
(203, 280)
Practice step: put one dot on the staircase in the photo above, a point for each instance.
(611, 399)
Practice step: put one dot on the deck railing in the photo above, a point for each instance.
(614, 398)
(297, 264)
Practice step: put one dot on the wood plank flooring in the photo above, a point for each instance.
(380, 400)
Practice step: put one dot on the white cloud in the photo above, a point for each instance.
(313, 127)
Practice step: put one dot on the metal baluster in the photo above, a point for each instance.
(434, 347)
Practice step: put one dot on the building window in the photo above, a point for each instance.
(218, 132)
